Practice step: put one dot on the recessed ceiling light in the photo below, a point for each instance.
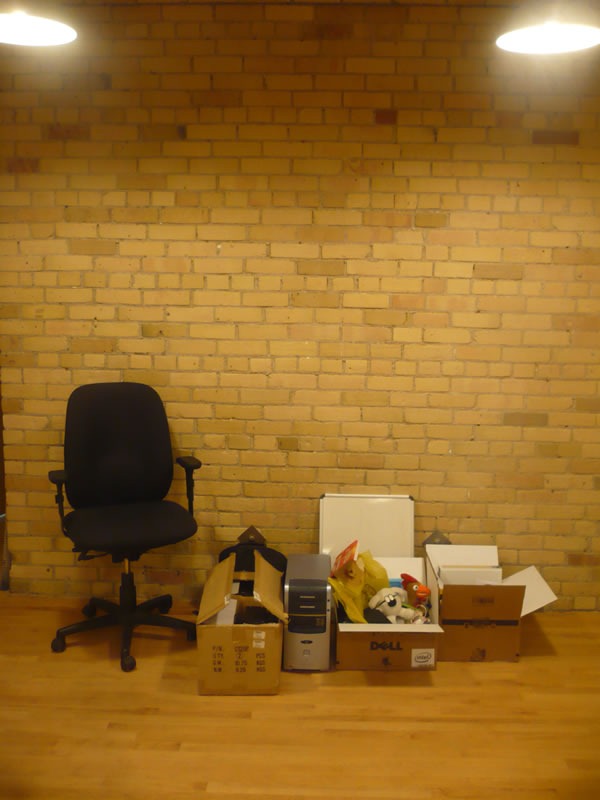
(21, 28)
(541, 27)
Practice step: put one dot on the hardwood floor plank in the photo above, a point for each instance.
(74, 726)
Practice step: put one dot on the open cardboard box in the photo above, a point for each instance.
(384, 525)
(239, 638)
(479, 610)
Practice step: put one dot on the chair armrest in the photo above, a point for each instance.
(189, 463)
(58, 477)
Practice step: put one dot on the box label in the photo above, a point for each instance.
(422, 658)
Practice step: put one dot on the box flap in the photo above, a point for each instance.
(217, 589)
(461, 555)
(470, 576)
(383, 524)
(389, 628)
(537, 592)
(267, 587)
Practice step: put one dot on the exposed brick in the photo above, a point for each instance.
(584, 560)
(431, 220)
(331, 31)
(386, 116)
(66, 132)
(555, 137)
(288, 443)
(149, 133)
(23, 166)
(577, 255)
(347, 256)
(506, 272)
(590, 405)
(331, 267)
(218, 99)
(91, 345)
(525, 420)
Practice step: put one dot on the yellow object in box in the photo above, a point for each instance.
(239, 638)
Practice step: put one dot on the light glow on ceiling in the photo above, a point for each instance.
(550, 37)
(21, 28)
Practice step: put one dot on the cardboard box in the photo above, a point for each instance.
(479, 610)
(384, 525)
(239, 638)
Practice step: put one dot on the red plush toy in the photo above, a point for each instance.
(417, 595)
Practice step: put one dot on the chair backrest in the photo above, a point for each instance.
(117, 447)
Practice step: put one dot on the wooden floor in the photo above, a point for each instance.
(74, 726)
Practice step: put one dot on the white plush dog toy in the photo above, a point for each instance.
(389, 601)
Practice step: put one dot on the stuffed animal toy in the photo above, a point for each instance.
(391, 602)
(417, 597)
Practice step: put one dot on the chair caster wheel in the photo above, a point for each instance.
(89, 610)
(127, 663)
(58, 644)
(165, 606)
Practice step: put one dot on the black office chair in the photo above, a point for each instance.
(118, 469)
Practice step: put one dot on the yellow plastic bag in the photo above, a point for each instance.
(356, 583)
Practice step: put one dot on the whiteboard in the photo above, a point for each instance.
(383, 524)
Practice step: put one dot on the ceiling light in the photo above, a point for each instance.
(543, 28)
(18, 27)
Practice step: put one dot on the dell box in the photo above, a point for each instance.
(384, 526)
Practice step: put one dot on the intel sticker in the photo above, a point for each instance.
(422, 658)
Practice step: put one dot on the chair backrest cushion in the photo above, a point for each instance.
(117, 447)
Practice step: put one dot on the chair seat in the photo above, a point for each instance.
(128, 530)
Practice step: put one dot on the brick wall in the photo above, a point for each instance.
(355, 248)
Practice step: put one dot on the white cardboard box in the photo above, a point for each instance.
(479, 610)
(384, 525)
(470, 576)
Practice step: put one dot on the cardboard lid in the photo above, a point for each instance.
(470, 575)
(267, 587)
(383, 524)
(218, 588)
(537, 592)
(461, 555)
